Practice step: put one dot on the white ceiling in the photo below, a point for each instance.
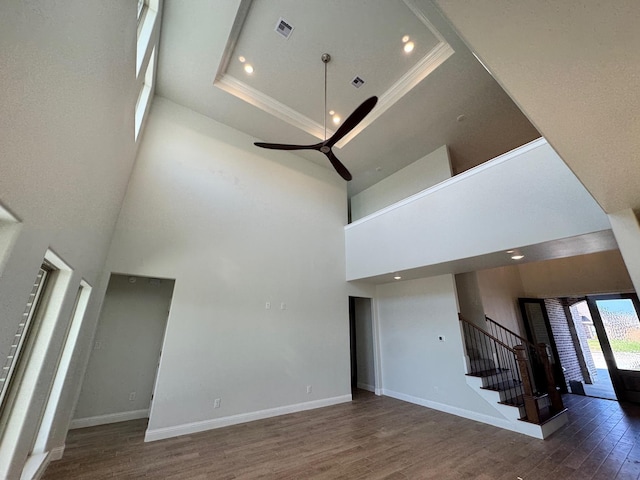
(364, 38)
(574, 67)
(202, 39)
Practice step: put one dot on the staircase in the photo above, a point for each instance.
(515, 377)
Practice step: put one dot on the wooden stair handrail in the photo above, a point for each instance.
(530, 404)
(462, 319)
(524, 340)
(554, 394)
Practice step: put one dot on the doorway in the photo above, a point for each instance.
(362, 344)
(121, 373)
(616, 321)
(538, 328)
(597, 380)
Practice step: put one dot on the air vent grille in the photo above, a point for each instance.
(357, 82)
(284, 28)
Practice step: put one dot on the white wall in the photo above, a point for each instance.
(365, 361)
(420, 175)
(500, 289)
(237, 227)
(469, 298)
(416, 366)
(126, 351)
(626, 229)
(525, 197)
(66, 151)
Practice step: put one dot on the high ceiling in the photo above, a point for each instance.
(574, 67)
(437, 94)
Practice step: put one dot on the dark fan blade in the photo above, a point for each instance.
(337, 164)
(284, 146)
(352, 120)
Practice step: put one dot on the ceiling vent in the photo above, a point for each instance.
(284, 28)
(357, 82)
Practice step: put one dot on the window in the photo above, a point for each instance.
(25, 327)
(146, 52)
(145, 93)
(142, 6)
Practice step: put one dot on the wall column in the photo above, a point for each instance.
(626, 229)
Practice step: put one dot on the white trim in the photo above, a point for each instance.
(410, 79)
(35, 465)
(194, 427)
(519, 427)
(109, 418)
(56, 453)
(540, 142)
(423, 68)
(270, 105)
(71, 337)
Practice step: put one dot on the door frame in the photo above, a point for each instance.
(617, 375)
(561, 381)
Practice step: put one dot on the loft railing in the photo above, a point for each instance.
(518, 369)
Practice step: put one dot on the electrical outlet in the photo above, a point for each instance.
(309, 388)
(283, 306)
(216, 403)
(97, 345)
(132, 396)
(267, 306)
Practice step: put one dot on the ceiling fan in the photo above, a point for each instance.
(325, 146)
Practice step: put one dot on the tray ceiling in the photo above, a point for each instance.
(377, 56)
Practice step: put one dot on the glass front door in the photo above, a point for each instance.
(615, 318)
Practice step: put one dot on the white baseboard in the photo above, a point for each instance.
(108, 418)
(187, 428)
(460, 412)
(37, 463)
(366, 386)
(35, 466)
(56, 453)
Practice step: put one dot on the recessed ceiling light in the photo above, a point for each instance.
(248, 68)
(332, 112)
(408, 47)
(517, 257)
(336, 119)
(405, 39)
(461, 118)
(241, 59)
(510, 251)
(397, 277)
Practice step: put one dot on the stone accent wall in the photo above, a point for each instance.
(564, 340)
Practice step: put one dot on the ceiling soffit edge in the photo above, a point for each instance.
(425, 66)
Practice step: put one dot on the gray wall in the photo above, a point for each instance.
(238, 228)
(66, 152)
(364, 344)
(126, 350)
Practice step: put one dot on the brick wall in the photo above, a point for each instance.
(564, 340)
(582, 336)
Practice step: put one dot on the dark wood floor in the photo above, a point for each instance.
(370, 438)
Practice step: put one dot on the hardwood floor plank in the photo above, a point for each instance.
(371, 438)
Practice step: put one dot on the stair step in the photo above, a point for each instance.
(514, 402)
(488, 373)
(502, 386)
(551, 416)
